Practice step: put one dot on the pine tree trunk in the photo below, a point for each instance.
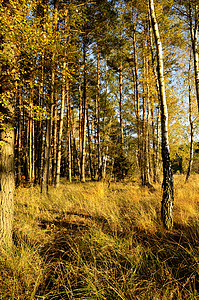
(60, 135)
(148, 139)
(7, 124)
(154, 134)
(89, 145)
(121, 104)
(83, 156)
(54, 165)
(39, 134)
(30, 143)
(68, 132)
(46, 159)
(191, 130)
(7, 184)
(76, 162)
(137, 102)
(154, 142)
(80, 119)
(145, 166)
(168, 190)
(99, 167)
(19, 133)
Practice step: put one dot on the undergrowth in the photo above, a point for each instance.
(88, 241)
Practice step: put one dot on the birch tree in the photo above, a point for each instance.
(167, 185)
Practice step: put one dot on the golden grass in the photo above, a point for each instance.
(88, 241)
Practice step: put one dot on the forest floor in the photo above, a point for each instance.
(88, 241)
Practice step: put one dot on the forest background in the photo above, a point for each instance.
(81, 95)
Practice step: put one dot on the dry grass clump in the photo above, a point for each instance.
(88, 241)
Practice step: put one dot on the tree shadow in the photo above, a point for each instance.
(172, 254)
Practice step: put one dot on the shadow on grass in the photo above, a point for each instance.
(168, 259)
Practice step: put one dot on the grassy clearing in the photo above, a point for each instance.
(85, 241)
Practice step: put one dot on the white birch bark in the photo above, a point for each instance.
(168, 194)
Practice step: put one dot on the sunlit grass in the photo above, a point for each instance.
(91, 241)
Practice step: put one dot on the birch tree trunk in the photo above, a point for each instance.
(168, 190)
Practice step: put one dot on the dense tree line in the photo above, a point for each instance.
(85, 88)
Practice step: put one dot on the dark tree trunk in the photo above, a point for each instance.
(194, 41)
(121, 104)
(99, 167)
(84, 108)
(137, 104)
(18, 141)
(191, 130)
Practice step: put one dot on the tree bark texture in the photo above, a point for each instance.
(194, 41)
(7, 184)
(168, 189)
(121, 104)
(98, 119)
(137, 104)
(191, 130)
(7, 110)
(84, 108)
(61, 121)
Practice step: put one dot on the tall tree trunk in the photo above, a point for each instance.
(168, 189)
(154, 142)
(30, 142)
(137, 100)
(155, 135)
(84, 110)
(54, 164)
(191, 129)
(69, 131)
(61, 121)
(121, 104)
(89, 145)
(7, 183)
(63, 96)
(39, 130)
(18, 142)
(99, 167)
(145, 166)
(80, 119)
(104, 148)
(194, 41)
(7, 124)
(46, 160)
(76, 163)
